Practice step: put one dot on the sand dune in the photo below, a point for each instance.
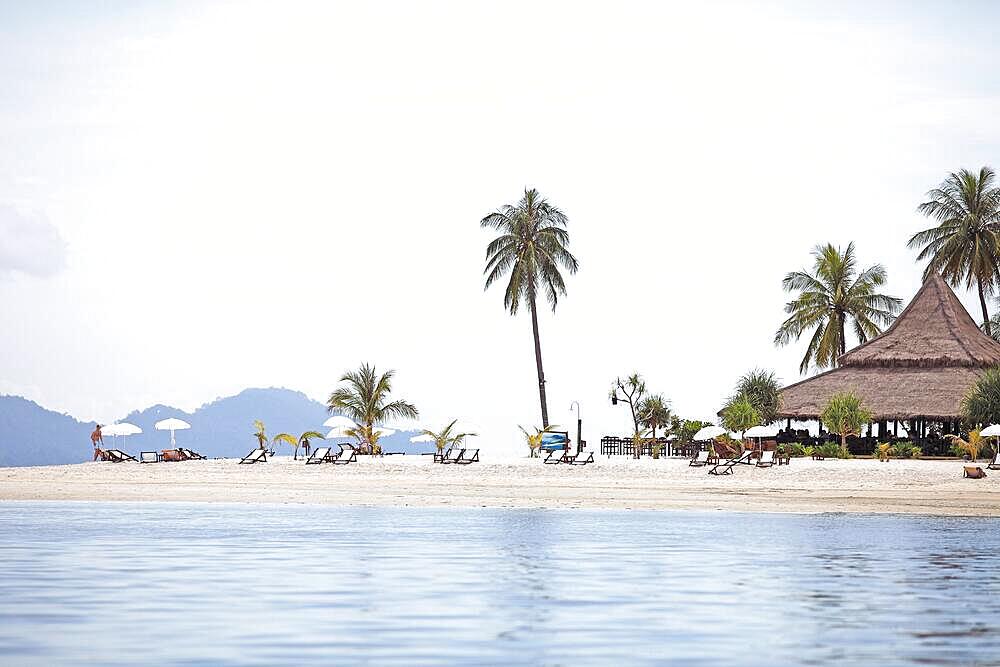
(917, 487)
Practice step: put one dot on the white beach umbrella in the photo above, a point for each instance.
(989, 431)
(709, 432)
(339, 421)
(172, 424)
(122, 429)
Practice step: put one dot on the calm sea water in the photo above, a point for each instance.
(193, 584)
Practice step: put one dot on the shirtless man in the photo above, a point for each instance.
(96, 438)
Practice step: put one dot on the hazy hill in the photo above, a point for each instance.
(32, 435)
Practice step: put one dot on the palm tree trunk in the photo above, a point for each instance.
(538, 364)
(843, 341)
(986, 313)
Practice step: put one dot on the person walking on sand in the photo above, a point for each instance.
(96, 438)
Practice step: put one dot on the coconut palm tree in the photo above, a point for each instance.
(654, 412)
(447, 437)
(365, 399)
(301, 441)
(532, 247)
(965, 245)
(830, 295)
(845, 415)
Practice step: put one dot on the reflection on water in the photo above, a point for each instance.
(244, 585)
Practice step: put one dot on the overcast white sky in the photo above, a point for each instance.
(200, 197)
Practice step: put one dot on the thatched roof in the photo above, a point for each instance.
(921, 366)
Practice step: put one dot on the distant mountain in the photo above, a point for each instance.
(32, 435)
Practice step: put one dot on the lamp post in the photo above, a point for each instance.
(579, 426)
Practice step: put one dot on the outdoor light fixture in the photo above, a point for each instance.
(614, 398)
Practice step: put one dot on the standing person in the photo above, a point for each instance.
(95, 439)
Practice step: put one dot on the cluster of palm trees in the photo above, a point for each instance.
(302, 440)
(964, 247)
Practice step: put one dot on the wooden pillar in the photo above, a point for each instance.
(788, 424)
(895, 428)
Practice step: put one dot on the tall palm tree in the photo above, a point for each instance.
(301, 441)
(965, 246)
(532, 248)
(365, 399)
(828, 296)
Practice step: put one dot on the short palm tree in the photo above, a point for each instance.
(535, 439)
(301, 441)
(654, 412)
(260, 434)
(365, 399)
(447, 437)
(532, 247)
(845, 415)
(740, 415)
(830, 295)
(972, 446)
(965, 245)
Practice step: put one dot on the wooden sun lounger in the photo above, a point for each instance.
(318, 455)
(118, 456)
(974, 472)
(995, 463)
(258, 455)
(726, 468)
(149, 457)
(563, 456)
(347, 454)
(581, 460)
(700, 459)
(766, 459)
(452, 455)
(466, 458)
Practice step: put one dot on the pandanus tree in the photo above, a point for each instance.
(447, 437)
(632, 389)
(964, 247)
(301, 441)
(532, 248)
(740, 415)
(365, 398)
(830, 295)
(654, 412)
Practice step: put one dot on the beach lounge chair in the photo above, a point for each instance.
(726, 467)
(974, 472)
(118, 456)
(347, 454)
(191, 454)
(766, 459)
(582, 459)
(318, 455)
(258, 455)
(452, 455)
(995, 463)
(700, 459)
(557, 456)
(468, 456)
(149, 457)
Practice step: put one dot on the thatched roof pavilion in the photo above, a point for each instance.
(920, 367)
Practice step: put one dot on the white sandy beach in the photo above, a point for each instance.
(861, 485)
